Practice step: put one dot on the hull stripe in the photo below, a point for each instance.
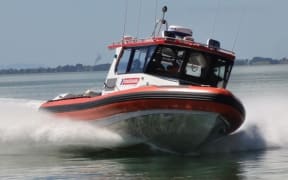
(217, 98)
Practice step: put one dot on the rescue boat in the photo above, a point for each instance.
(167, 91)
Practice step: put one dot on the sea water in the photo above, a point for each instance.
(36, 145)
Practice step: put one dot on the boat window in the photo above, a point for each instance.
(123, 61)
(150, 53)
(220, 73)
(196, 64)
(138, 60)
(206, 69)
(190, 66)
(166, 61)
(134, 60)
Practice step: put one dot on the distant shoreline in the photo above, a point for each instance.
(261, 61)
(58, 69)
(106, 66)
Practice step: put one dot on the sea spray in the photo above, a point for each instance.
(23, 124)
(265, 127)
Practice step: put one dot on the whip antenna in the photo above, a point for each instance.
(238, 29)
(125, 19)
(156, 9)
(215, 18)
(139, 17)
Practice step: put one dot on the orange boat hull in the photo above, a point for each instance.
(177, 118)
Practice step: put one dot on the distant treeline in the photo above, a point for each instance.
(65, 68)
(261, 61)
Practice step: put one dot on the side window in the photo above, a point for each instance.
(138, 61)
(217, 75)
(124, 61)
(151, 51)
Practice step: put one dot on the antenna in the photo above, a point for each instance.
(215, 18)
(125, 19)
(238, 30)
(160, 22)
(139, 17)
(156, 9)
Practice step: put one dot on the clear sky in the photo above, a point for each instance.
(59, 32)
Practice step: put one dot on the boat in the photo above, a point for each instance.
(167, 91)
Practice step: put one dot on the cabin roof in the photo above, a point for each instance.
(132, 42)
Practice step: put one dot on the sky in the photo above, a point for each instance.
(49, 33)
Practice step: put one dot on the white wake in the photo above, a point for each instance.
(22, 125)
(265, 127)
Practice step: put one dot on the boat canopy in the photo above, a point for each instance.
(189, 66)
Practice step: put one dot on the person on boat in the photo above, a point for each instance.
(174, 68)
(215, 78)
(155, 64)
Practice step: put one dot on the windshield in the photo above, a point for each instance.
(189, 66)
